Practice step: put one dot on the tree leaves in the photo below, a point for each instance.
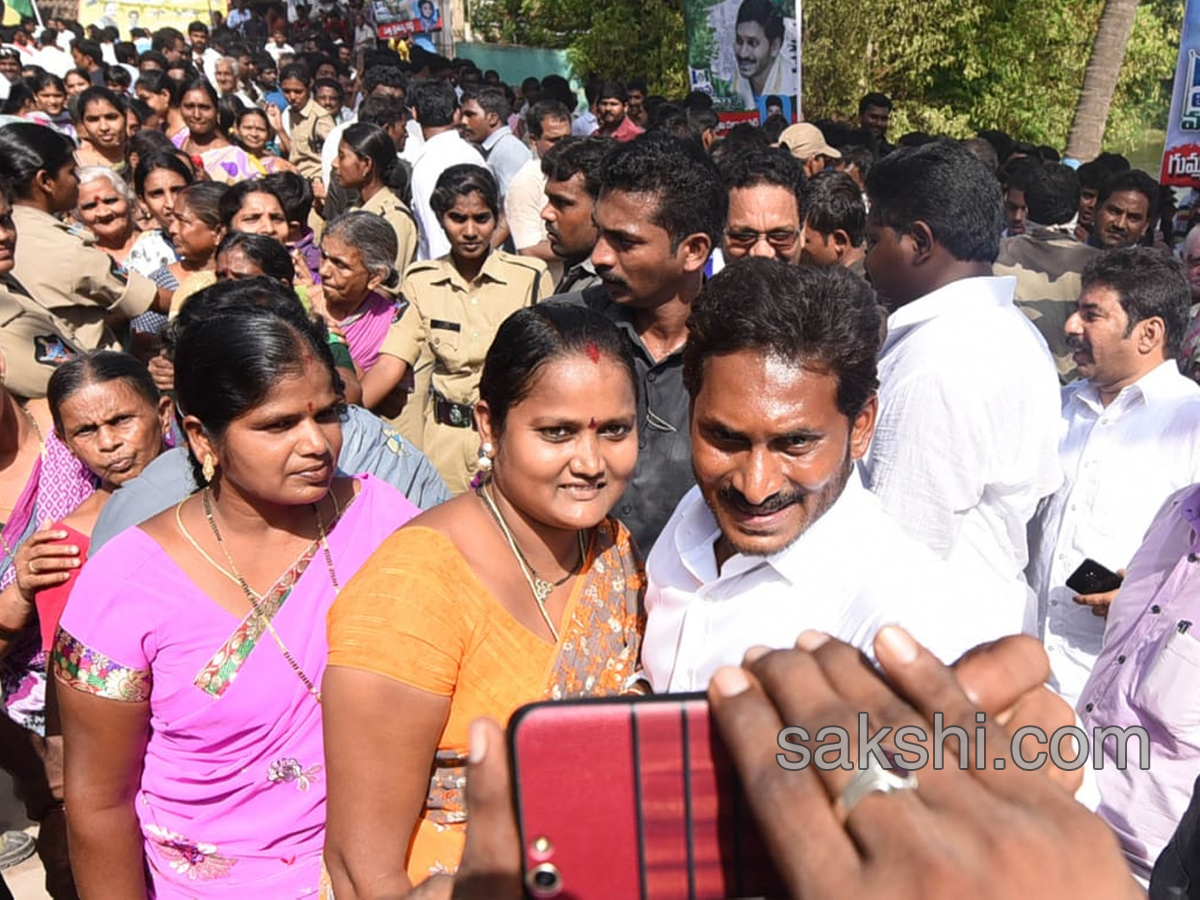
(952, 66)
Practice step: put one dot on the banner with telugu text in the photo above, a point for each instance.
(150, 14)
(1181, 153)
(746, 55)
(400, 18)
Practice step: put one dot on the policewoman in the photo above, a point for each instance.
(367, 162)
(455, 305)
(77, 284)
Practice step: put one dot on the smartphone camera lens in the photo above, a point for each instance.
(544, 881)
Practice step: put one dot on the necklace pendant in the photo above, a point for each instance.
(542, 590)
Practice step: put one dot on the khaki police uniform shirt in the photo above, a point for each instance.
(76, 283)
(457, 320)
(453, 323)
(309, 129)
(30, 343)
(394, 211)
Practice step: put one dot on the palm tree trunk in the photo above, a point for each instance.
(1100, 80)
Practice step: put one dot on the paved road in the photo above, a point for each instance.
(26, 881)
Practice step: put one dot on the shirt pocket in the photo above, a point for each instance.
(444, 339)
(1168, 691)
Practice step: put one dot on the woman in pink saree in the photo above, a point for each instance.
(190, 653)
(357, 255)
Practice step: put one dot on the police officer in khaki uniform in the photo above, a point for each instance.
(31, 347)
(393, 210)
(63, 273)
(308, 124)
(455, 321)
(365, 161)
(77, 284)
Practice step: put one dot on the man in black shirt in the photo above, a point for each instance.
(660, 212)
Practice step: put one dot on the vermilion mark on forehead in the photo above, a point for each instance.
(592, 351)
(592, 424)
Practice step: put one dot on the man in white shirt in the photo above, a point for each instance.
(969, 408)
(435, 106)
(279, 46)
(50, 56)
(779, 534)
(548, 122)
(585, 121)
(203, 56)
(1131, 438)
(485, 123)
(238, 16)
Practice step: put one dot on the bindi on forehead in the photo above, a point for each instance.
(592, 424)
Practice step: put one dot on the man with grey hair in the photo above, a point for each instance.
(1189, 351)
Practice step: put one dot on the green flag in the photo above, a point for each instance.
(22, 7)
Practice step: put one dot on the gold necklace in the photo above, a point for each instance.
(34, 425)
(252, 597)
(204, 553)
(538, 586)
(337, 514)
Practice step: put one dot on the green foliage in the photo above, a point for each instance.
(633, 37)
(1143, 98)
(952, 66)
(609, 38)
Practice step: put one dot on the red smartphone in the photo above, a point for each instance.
(633, 797)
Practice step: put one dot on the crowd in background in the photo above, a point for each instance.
(353, 396)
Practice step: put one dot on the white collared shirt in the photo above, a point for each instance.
(966, 443)
(437, 154)
(849, 574)
(1120, 464)
(329, 150)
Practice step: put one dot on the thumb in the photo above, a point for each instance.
(491, 863)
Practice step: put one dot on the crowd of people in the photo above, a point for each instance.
(352, 397)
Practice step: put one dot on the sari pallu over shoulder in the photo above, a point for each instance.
(57, 485)
(599, 651)
(232, 796)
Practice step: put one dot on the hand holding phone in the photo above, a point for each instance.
(1092, 578)
(633, 797)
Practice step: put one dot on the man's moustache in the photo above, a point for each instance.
(773, 504)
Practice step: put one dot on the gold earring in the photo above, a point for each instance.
(210, 467)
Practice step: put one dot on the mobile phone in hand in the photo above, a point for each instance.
(1093, 578)
(633, 798)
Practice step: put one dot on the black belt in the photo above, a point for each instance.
(456, 415)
